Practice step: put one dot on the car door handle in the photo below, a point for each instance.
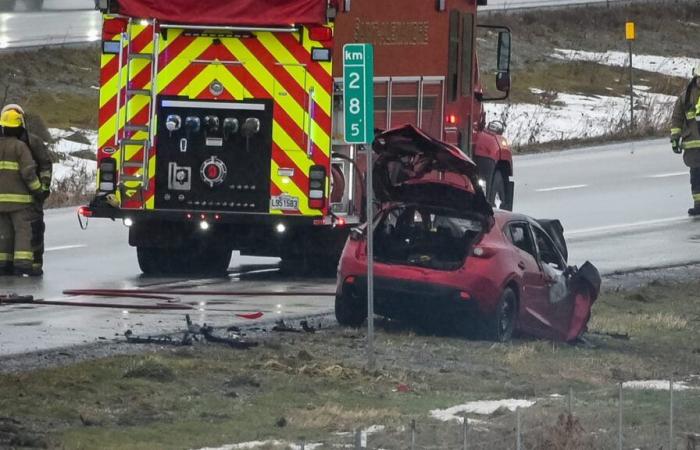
(521, 265)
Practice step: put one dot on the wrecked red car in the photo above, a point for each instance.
(442, 255)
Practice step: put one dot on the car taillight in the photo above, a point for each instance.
(317, 187)
(108, 174)
(320, 34)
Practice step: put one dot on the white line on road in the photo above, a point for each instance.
(668, 175)
(623, 226)
(562, 188)
(64, 247)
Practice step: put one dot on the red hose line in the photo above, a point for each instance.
(166, 306)
(142, 293)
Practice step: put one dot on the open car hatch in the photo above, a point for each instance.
(412, 167)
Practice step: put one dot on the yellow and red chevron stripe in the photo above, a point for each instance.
(266, 65)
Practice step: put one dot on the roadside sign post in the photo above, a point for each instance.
(358, 101)
(631, 35)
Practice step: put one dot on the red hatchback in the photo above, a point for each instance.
(442, 255)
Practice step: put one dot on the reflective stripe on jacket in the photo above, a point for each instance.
(683, 121)
(18, 175)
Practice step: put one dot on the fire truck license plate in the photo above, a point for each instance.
(284, 202)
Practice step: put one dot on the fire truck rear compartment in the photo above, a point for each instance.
(214, 155)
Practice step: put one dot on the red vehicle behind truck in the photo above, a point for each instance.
(221, 123)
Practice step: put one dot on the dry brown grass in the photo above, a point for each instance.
(638, 323)
(334, 417)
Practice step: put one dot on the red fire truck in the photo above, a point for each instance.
(221, 124)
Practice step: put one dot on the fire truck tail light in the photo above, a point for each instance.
(85, 211)
(317, 187)
(321, 34)
(113, 27)
(107, 179)
(451, 119)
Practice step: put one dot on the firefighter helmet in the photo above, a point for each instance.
(11, 119)
(14, 107)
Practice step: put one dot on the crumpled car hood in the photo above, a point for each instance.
(413, 167)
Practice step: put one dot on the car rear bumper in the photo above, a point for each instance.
(413, 300)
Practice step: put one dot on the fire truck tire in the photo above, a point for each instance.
(190, 260)
(34, 5)
(350, 307)
(7, 5)
(498, 198)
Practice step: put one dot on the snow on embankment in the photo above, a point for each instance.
(573, 116)
(566, 116)
(672, 66)
(68, 145)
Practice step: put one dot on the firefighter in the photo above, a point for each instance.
(685, 134)
(42, 158)
(19, 189)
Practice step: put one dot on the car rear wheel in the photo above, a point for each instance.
(500, 325)
(350, 307)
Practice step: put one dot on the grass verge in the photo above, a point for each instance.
(314, 386)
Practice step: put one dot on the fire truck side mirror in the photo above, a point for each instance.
(503, 63)
(503, 81)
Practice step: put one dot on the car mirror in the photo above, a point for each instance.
(496, 126)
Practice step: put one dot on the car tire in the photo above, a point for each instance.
(350, 308)
(500, 325)
(497, 194)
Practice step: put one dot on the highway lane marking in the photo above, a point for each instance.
(64, 247)
(623, 226)
(561, 188)
(668, 175)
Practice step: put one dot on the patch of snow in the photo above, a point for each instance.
(537, 91)
(484, 407)
(667, 65)
(71, 166)
(641, 87)
(656, 385)
(66, 146)
(577, 116)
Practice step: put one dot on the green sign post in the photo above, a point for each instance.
(358, 98)
(358, 85)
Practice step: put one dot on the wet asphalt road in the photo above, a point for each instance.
(75, 21)
(623, 207)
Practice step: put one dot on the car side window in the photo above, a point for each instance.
(521, 238)
(547, 252)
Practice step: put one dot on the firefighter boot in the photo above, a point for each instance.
(7, 243)
(38, 229)
(23, 255)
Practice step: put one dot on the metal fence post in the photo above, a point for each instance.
(670, 419)
(413, 434)
(466, 434)
(619, 423)
(517, 429)
(571, 400)
(302, 444)
(358, 439)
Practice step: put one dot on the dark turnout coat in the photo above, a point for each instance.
(684, 124)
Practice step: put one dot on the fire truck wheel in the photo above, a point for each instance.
(34, 5)
(151, 260)
(7, 5)
(350, 307)
(497, 193)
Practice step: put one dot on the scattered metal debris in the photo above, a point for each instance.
(187, 339)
